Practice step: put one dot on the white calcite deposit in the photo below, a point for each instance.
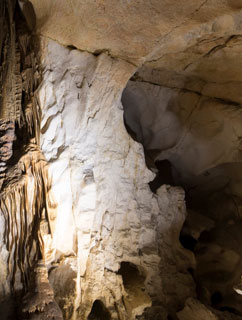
(119, 85)
(106, 213)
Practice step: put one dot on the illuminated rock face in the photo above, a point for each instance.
(106, 213)
(171, 34)
(76, 188)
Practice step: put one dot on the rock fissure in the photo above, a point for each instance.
(223, 101)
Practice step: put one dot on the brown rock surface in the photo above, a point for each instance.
(39, 303)
(133, 30)
(196, 310)
(183, 103)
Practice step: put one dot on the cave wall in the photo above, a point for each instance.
(195, 132)
(100, 181)
(75, 197)
(25, 202)
(199, 137)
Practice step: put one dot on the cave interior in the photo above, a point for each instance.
(142, 152)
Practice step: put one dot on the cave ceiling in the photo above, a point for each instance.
(82, 83)
(192, 44)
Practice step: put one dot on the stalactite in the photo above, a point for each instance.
(6, 141)
(25, 201)
(19, 74)
(22, 203)
(11, 76)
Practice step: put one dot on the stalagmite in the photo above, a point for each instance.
(39, 303)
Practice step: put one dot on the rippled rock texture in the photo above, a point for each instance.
(120, 159)
(100, 181)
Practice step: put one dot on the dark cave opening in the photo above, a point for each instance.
(99, 311)
(131, 276)
(231, 310)
(216, 298)
(188, 242)
(163, 176)
(134, 285)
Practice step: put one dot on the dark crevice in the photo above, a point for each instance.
(164, 175)
(130, 275)
(134, 285)
(231, 310)
(99, 311)
(216, 299)
(71, 47)
(188, 242)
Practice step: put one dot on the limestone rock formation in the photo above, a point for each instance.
(24, 182)
(120, 159)
(196, 310)
(39, 303)
(102, 224)
(153, 31)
